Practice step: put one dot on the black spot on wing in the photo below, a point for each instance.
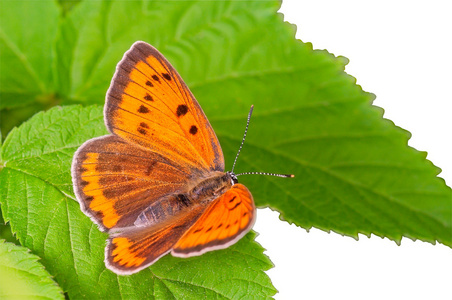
(148, 97)
(181, 110)
(232, 199)
(83, 183)
(144, 125)
(235, 206)
(142, 130)
(143, 109)
(193, 129)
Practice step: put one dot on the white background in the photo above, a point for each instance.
(402, 52)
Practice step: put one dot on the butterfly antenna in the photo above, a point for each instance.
(240, 148)
(244, 136)
(268, 174)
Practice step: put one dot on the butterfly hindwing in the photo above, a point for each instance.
(149, 104)
(135, 248)
(225, 221)
(115, 181)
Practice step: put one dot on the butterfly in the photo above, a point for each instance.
(157, 184)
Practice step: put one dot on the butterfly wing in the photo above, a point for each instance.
(136, 248)
(115, 181)
(148, 104)
(223, 223)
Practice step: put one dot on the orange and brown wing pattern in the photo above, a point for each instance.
(223, 223)
(149, 104)
(115, 181)
(136, 248)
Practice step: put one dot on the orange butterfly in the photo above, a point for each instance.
(157, 183)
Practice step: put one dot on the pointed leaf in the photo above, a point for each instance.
(23, 277)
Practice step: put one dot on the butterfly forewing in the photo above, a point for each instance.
(149, 104)
(115, 180)
(225, 221)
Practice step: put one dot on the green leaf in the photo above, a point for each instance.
(23, 277)
(27, 32)
(205, 31)
(38, 201)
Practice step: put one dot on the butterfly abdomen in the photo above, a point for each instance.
(163, 209)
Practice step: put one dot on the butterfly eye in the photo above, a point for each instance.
(233, 178)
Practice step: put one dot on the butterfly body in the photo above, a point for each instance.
(202, 193)
(156, 184)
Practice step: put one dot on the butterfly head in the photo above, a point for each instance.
(233, 177)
